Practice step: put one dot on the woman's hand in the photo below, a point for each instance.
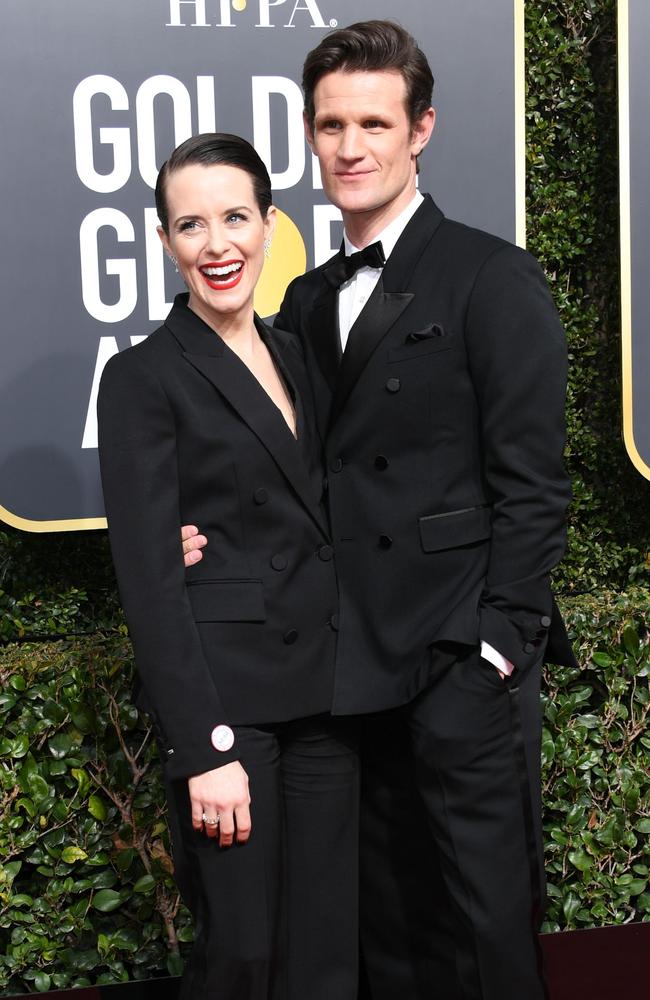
(222, 795)
(193, 542)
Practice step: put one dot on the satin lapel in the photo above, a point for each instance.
(229, 375)
(378, 316)
(388, 301)
(206, 352)
(400, 267)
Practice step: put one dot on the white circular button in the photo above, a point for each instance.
(222, 737)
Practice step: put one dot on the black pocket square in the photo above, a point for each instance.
(435, 330)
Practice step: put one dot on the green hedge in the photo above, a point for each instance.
(595, 752)
(572, 227)
(86, 893)
(85, 888)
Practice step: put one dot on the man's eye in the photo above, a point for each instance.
(374, 123)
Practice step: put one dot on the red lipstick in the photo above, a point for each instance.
(222, 275)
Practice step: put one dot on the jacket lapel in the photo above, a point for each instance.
(388, 301)
(373, 323)
(206, 351)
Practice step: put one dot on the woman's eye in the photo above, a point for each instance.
(189, 224)
(236, 217)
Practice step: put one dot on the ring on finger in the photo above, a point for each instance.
(210, 820)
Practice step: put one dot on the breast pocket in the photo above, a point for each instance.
(227, 600)
(430, 340)
(455, 528)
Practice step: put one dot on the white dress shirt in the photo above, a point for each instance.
(353, 295)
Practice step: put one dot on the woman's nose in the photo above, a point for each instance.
(217, 242)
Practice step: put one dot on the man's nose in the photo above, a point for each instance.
(351, 144)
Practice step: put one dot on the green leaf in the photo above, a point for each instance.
(175, 965)
(631, 640)
(96, 808)
(60, 746)
(145, 884)
(581, 860)
(42, 982)
(602, 659)
(83, 718)
(22, 899)
(38, 787)
(571, 906)
(82, 779)
(72, 854)
(11, 868)
(107, 900)
(20, 746)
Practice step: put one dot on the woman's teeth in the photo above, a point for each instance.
(222, 271)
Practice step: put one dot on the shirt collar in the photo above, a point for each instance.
(390, 235)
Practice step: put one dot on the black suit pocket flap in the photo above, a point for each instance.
(227, 600)
(455, 528)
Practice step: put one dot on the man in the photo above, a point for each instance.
(438, 369)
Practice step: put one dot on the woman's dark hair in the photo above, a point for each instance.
(208, 149)
(371, 46)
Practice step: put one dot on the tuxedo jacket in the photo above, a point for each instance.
(188, 436)
(444, 430)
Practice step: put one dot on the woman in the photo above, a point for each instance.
(209, 421)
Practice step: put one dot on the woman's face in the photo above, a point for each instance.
(216, 233)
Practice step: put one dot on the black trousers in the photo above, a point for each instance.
(277, 918)
(451, 847)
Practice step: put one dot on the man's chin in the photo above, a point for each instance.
(352, 203)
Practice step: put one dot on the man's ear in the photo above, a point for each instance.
(422, 130)
(309, 132)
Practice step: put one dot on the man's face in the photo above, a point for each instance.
(365, 143)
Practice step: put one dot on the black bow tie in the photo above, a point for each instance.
(345, 268)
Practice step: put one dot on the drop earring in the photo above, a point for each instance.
(267, 248)
(174, 262)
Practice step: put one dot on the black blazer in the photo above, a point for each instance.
(444, 426)
(187, 435)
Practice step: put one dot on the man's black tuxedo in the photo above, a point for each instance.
(444, 429)
(187, 436)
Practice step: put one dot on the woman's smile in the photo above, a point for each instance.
(223, 275)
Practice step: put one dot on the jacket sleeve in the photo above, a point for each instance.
(517, 358)
(137, 451)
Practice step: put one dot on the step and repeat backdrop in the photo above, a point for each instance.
(634, 115)
(95, 97)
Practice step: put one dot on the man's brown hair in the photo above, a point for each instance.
(371, 46)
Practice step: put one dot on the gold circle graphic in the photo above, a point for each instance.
(288, 259)
(239, 4)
